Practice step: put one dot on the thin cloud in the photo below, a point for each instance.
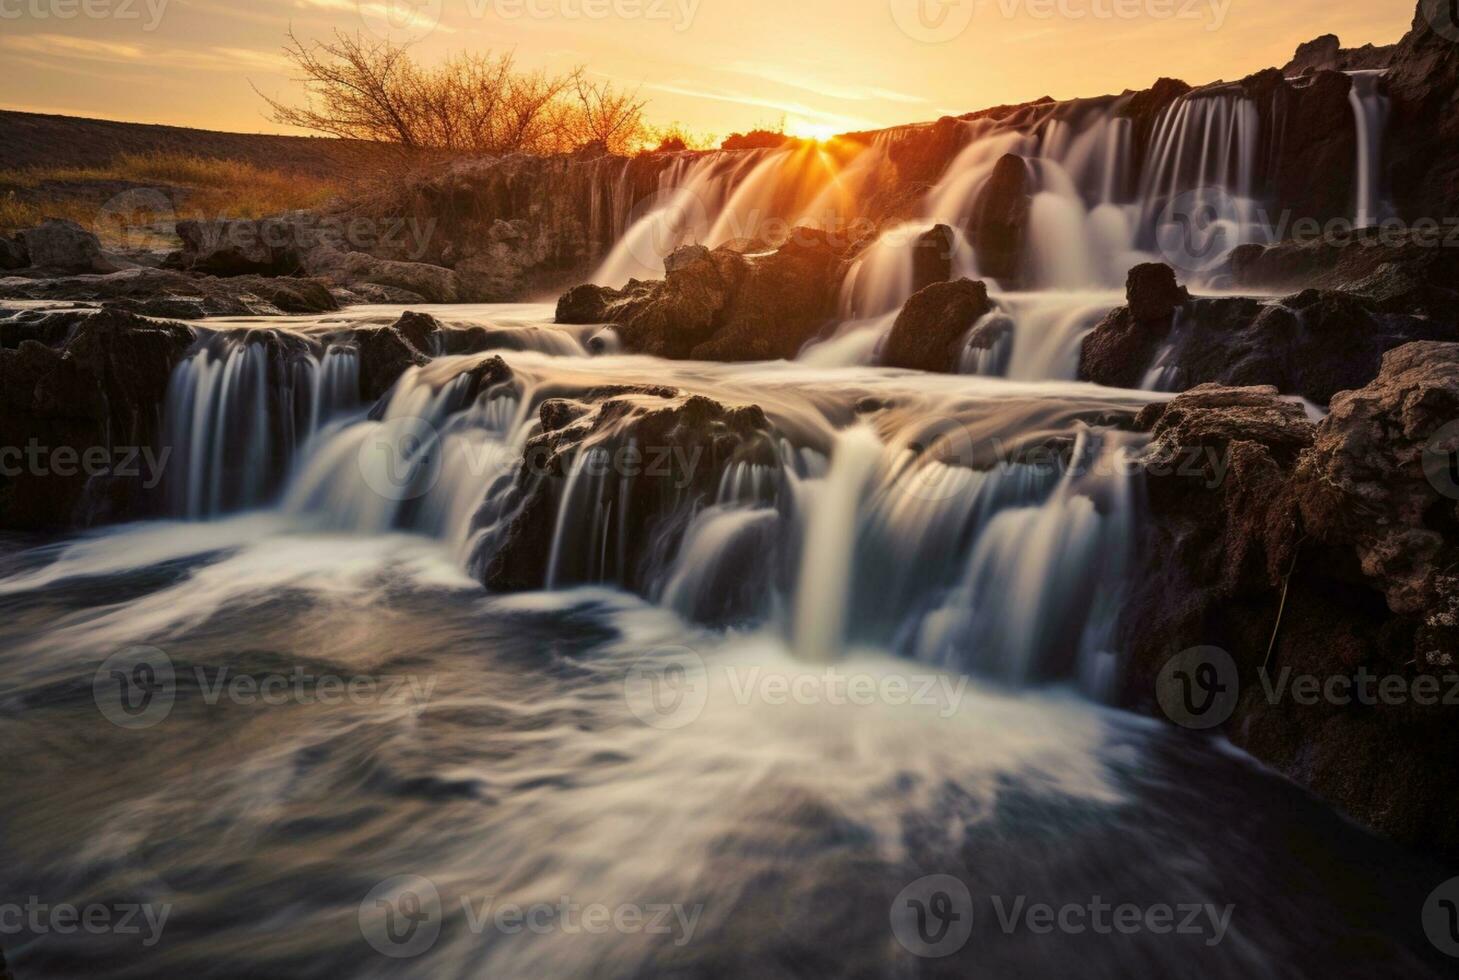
(848, 93)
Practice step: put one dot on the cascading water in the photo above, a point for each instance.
(239, 411)
(1370, 113)
(975, 531)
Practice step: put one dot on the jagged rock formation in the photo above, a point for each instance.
(1353, 519)
(1326, 53)
(722, 305)
(698, 436)
(86, 391)
(928, 333)
(1315, 343)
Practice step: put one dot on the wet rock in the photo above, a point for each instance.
(1315, 550)
(1399, 270)
(64, 246)
(1316, 170)
(89, 403)
(932, 256)
(670, 318)
(663, 455)
(722, 305)
(1153, 292)
(373, 294)
(587, 304)
(1221, 519)
(1326, 53)
(12, 253)
(170, 294)
(928, 334)
(269, 247)
(436, 284)
(388, 352)
(781, 300)
(1000, 219)
(1380, 480)
(1423, 128)
(1119, 351)
(1314, 344)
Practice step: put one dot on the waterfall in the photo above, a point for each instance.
(239, 411)
(1370, 114)
(826, 563)
(423, 464)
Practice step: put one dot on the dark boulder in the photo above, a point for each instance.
(267, 247)
(64, 246)
(781, 301)
(932, 255)
(586, 304)
(1423, 129)
(722, 305)
(1000, 219)
(663, 454)
(928, 334)
(88, 396)
(1122, 347)
(12, 253)
(1321, 551)
(1153, 292)
(386, 353)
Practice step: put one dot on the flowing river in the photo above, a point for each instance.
(849, 722)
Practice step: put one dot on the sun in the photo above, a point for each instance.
(806, 130)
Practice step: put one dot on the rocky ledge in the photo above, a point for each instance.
(694, 438)
(722, 305)
(1313, 343)
(1317, 555)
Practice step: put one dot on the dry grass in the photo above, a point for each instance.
(198, 187)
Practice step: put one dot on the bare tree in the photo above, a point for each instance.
(472, 103)
(605, 115)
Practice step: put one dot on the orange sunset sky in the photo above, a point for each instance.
(715, 65)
